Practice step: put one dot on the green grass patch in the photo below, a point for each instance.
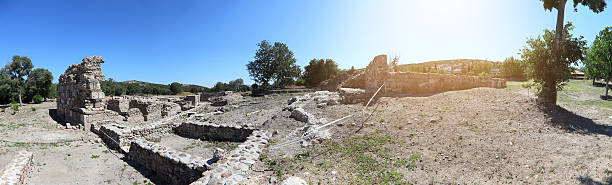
(368, 158)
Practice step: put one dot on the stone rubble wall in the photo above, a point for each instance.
(173, 167)
(207, 130)
(236, 165)
(352, 96)
(116, 136)
(379, 72)
(376, 72)
(410, 82)
(194, 99)
(15, 172)
(150, 109)
(79, 94)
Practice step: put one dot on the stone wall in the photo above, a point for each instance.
(213, 131)
(116, 136)
(15, 172)
(378, 72)
(194, 99)
(236, 165)
(409, 82)
(79, 96)
(150, 109)
(173, 167)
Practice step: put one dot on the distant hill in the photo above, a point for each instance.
(452, 61)
(141, 83)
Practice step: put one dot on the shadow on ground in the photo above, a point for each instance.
(144, 171)
(572, 122)
(53, 115)
(586, 180)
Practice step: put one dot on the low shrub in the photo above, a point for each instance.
(15, 107)
(37, 99)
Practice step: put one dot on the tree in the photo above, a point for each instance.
(512, 68)
(236, 84)
(549, 89)
(176, 87)
(598, 61)
(39, 82)
(319, 70)
(273, 62)
(546, 70)
(395, 63)
(16, 71)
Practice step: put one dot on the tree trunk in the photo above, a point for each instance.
(20, 103)
(607, 81)
(548, 95)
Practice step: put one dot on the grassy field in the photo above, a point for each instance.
(574, 92)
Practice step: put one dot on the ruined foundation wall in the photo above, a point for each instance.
(16, 171)
(379, 72)
(410, 82)
(173, 167)
(213, 131)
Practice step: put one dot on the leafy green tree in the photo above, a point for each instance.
(39, 82)
(319, 70)
(236, 84)
(544, 68)
(598, 61)
(512, 68)
(480, 67)
(176, 87)
(548, 95)
(17, 71)
(273, 62)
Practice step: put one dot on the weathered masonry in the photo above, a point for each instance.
(379, 72)
(80, 99)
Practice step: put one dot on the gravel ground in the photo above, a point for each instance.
(477, 136)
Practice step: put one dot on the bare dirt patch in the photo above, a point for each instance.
(490, 136)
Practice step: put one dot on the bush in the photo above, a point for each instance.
(15, 107)
(33, 109)
(37, 99)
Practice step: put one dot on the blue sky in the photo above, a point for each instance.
(202, 42)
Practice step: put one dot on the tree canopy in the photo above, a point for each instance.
(273, 62)
(598, 61)
(319, 70)
(512, 68)
(39, 83)
(543, 68)
(176, 87)
(19, 82)
(548, 94)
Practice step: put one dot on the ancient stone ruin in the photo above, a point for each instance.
(356, 88)
(80, 100)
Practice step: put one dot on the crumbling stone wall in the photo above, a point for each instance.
(194, 99)
(80, 99)
(150, 109)
(236, 165)
(410, 82)
(378, 72)
(173, 167)
(213, 131)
